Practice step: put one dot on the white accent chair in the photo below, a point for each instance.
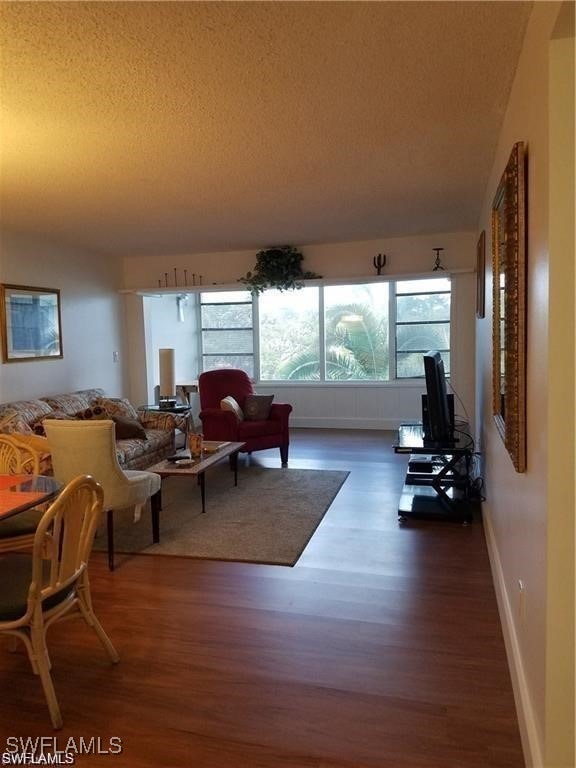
(52, 583)
(89, 448)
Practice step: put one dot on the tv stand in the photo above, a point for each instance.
(438, 480)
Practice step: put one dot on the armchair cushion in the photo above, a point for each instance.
(250, 430)
(229, 404)
(257, 407)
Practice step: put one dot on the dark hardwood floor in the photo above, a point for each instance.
(381, 648)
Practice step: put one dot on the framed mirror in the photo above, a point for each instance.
(30, 321)
(509, 307)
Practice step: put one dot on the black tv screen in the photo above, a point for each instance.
(437, 428)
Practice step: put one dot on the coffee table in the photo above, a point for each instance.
(214, 452)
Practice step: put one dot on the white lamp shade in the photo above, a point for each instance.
(167, 373)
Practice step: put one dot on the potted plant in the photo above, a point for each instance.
(280, 268)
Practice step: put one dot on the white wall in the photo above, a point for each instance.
(166, 330)
(346, 405)
(92, 320)
(522, 510)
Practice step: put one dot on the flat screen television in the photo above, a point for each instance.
(438, 426)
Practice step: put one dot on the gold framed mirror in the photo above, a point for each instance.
(30, 323)
(509, 306)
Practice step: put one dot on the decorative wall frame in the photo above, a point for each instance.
(509, 306)
(30, 322)
(481, 276)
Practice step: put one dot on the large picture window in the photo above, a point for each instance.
(357, 332)
(289, 335)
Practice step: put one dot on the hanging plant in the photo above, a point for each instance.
(279, 268)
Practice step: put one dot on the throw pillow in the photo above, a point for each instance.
(117, 406)
(229, 404)
(95, 412)
(257, 407)
(128, 429)
(38, 426)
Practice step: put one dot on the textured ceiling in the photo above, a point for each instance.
(161, 127)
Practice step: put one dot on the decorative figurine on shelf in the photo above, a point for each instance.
(437, 264)
(379, 262)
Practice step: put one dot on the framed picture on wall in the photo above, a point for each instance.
(30, 322)
(481, 275)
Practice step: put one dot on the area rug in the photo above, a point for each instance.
(269, 518)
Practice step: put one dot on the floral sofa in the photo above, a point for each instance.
(156, 430)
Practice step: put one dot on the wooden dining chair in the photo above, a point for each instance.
(52, 583)
(17, 532)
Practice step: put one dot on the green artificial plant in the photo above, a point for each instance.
(279, 267)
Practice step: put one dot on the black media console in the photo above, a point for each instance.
(438, 481)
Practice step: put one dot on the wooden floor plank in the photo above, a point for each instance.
(381, 648)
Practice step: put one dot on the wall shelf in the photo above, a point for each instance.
(185, 289)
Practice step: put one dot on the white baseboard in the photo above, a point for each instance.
(329, 422)
(524, 709)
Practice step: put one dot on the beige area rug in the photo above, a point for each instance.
(269, 518)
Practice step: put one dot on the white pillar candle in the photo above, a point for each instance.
(167, 373)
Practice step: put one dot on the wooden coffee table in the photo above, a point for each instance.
(213, 454)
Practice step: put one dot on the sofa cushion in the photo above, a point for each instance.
(27, 410)
(130, 451)
(158, 419)
(13, 423)
(72, 402)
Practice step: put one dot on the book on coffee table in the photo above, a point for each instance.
(211, 446)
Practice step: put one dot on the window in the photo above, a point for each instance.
(422, 324)
(375, 331)
(289, 335)
(356, 332)
(227, 330)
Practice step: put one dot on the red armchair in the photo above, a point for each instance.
(219, 424)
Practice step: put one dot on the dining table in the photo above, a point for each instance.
(21, 492)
